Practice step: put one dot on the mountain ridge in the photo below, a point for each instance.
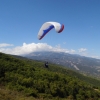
(86, 65)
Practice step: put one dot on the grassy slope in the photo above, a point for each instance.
(22, 72)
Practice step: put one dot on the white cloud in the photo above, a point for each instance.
(32, 47)
(5, 45)
(72, 51)
(82, 50)
(95, 57)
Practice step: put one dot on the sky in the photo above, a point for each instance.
(20, 21)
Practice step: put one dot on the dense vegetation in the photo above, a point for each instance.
(32, 80)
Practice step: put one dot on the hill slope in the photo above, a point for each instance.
(33, 80)
(85, 65)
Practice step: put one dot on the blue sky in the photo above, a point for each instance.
(20, 21)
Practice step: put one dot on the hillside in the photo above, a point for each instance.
(27, 79)
(86, 65)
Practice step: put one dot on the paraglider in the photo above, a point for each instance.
(46, 64)
(47, 26)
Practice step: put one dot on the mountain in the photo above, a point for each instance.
(85, 65)
(25, 79)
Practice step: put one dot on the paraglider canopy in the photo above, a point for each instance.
(47, 26)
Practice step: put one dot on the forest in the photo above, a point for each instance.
(26, 79)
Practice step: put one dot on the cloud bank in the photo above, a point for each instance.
(5, 45)
(33, 47)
